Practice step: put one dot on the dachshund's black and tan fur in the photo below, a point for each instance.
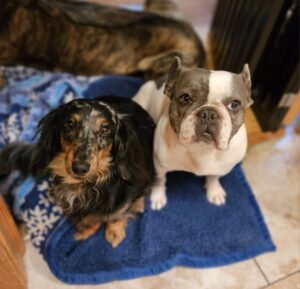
(88, 39)
(99, 153)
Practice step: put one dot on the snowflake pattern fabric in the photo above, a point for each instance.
(26, 95)
(29, 94)
(41, 219)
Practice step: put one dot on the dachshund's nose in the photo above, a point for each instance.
(80, 168)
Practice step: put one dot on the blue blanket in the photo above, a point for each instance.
(187, 232)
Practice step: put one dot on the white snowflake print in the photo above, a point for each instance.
(39, 220)
(12, 128)
(44, 186)
(23, 117)
(46, 199)
(68, 97)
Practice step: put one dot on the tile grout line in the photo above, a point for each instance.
(262, 272)
(281, 279)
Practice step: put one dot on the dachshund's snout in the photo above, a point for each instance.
(80, 168)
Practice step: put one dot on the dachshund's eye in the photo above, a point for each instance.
(234, 105)
(185, 99)
(70, 124)
(105, 130)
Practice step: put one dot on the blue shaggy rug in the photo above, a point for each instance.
(187, 232)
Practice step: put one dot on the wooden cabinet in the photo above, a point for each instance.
(12, 272)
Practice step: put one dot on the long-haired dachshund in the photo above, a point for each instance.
(99, 153)
(88, 38)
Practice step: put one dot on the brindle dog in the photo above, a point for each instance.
(89, 39)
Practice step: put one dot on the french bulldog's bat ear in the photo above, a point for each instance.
(172, 75)
(246, 76)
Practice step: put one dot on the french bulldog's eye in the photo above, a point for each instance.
(105, 130)
(185, 99)
(70, 124)
(234, 105)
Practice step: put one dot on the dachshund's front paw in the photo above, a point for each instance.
(114, 237)
(115, 232)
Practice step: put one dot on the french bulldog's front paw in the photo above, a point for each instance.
(217, 196)
(158, 198)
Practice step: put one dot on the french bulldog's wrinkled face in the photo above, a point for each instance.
(207, 106)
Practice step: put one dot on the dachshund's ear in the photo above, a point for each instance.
(123, 151)
(49, 140)
(129, 155)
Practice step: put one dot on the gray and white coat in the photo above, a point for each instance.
(200, 125)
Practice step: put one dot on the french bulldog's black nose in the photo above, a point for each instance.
(80, 168)
(208, 115)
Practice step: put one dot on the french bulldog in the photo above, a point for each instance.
(200, 125)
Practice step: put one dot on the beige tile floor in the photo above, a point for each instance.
(273, 170)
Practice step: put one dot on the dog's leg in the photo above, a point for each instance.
(215, 193)
(158, 194)
(116, 231)
(138, 206)
(87, 227)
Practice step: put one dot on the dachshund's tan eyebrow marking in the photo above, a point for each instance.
(76, 116)
(113, 113)
(100, 121)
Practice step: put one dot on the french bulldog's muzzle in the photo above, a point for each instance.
(208, 123)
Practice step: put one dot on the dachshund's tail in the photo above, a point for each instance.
(16, 156)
